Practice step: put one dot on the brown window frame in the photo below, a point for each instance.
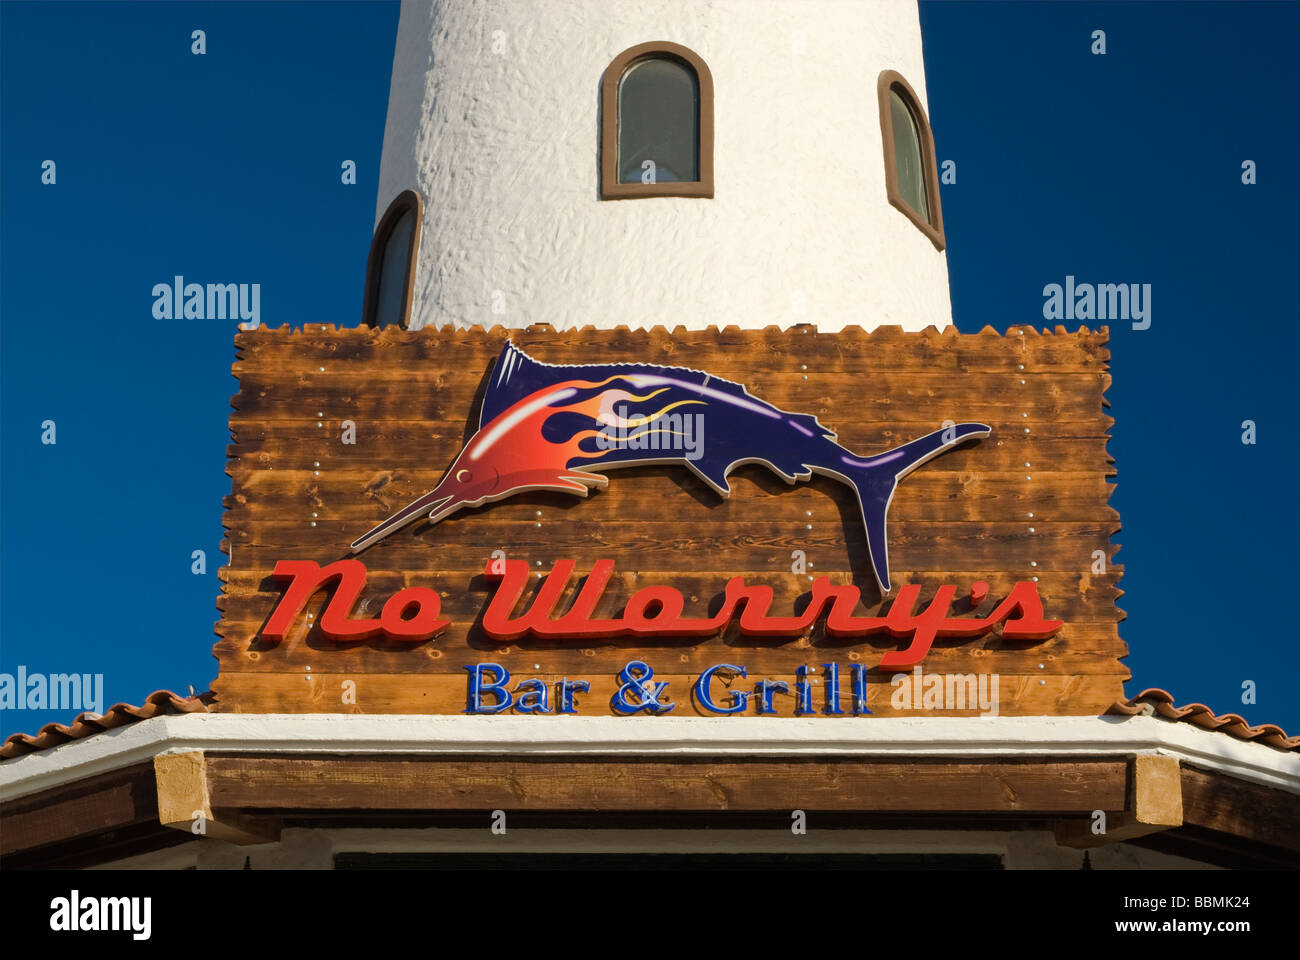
(933, 228)
(404, 201)
(610, 188)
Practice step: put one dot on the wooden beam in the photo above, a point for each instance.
(94, 806)
(241, 797)
(184, 803)
(314, 784)
(1246, 811)
(1155, 802)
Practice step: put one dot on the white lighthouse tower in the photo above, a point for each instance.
(692, 162)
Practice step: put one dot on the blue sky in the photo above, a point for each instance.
(1117, 168)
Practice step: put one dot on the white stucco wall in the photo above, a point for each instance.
(504, 148)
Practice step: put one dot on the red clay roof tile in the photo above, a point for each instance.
(1160, 703)
(88, 724)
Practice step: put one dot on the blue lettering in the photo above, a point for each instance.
(567, 689)
(531, 696)
(497, 688)
(739, 698)
(765, 690)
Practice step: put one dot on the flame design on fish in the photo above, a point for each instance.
(560, 427)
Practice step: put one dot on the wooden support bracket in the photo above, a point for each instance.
(184, 803)
(1155, 803)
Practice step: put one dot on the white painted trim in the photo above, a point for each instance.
(648, 736)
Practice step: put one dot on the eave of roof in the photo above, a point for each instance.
(342, 735)
(160, 702)
(1156, 702)
(1150, 702)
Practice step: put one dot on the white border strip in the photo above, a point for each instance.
(647, 736)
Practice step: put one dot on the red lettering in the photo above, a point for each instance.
(754, 621)
(423, 626)
(841, 622)
(654, 611)
(1029, 625)
(305, 578)
(924, 627)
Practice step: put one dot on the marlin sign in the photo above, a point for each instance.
(553, 427)
(563, 428)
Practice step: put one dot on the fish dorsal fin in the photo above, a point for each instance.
(514, 377)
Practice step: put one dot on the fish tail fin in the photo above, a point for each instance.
(876, 478)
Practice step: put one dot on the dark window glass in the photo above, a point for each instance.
(659, 121)
(908, 160)
(393, 270)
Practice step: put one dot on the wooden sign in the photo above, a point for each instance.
(865, 525)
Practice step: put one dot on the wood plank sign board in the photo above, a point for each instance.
(644, 523)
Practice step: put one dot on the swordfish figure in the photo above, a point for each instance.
(562, 427)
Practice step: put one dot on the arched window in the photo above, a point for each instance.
(911, 176)
(656, 124)
(390, 268)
